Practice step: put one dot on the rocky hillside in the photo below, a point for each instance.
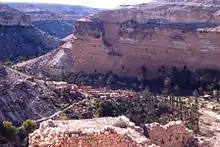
(161, 33)
(57, 28)
(19, 38)
(22, 99)
(22, 41)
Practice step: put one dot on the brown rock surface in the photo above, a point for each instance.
(169, 33)
(102, 132)
(170, 135)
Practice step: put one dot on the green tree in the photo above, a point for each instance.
(165, 92)
(195, 112)
(9, 130)
(29, 125)
(215, 94)
(195, 93)
(176, 89)
(167, 82)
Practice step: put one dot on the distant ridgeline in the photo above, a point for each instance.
(10, 16)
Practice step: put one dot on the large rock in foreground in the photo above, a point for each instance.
(109, 132)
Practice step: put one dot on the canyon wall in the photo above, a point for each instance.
(171, 10)
(115, 45)
(160, 33)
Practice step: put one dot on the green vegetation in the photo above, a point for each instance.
(9, 133)
(29, 125)
(158, 100)
(56, 28)
(9, 130)
(147, 108)
(20, 41)
(182, 82)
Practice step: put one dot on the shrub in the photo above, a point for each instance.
(29, 125)
(9, 130)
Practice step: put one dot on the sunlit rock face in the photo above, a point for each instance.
(168, 33)
(171, 10)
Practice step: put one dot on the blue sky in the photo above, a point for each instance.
(91, 3)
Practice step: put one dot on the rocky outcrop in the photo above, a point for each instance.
(160, 33)
(174, 134)
(109, 131)
(11, 17)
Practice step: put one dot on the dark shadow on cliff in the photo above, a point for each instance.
(181, 82)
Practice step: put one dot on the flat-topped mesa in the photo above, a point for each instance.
(12, 17)
(174, 11)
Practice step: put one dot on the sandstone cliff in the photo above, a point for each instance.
(114, 132)
(171, 10)
(42, 11)
(168, 33)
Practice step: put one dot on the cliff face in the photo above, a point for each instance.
(169, 33)
(11, 17)
(171, 10)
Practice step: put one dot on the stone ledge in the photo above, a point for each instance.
(109, 131)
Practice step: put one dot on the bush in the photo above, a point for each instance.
(29, 125)
(9, 130)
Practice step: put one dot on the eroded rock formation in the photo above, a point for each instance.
(169, 33)
(114, 132)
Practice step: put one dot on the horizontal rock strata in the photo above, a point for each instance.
(160, 33)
